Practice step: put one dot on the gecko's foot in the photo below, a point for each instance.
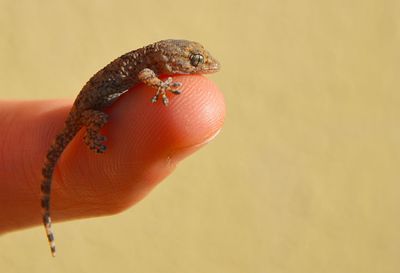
(163, 88)
(94, 121)
(150, 78)
(95, 141)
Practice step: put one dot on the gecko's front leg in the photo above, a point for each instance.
(150, 78)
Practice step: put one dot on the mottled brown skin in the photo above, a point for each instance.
(144, 65)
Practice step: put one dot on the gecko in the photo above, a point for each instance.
(144, 65)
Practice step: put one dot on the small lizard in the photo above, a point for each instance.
(143, 65)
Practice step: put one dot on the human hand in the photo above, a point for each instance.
(145, 142)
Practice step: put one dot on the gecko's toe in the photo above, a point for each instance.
(154, 99)
(101, 149)
(165, 99)
(176, 84)
(176, 92)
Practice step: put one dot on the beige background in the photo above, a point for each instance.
(304, 176)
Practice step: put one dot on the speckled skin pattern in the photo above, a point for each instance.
(165, 57)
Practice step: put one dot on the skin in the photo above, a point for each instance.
(104, 88)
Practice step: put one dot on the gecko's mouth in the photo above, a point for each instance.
(213, 67)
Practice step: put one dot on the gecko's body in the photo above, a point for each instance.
(143, 65)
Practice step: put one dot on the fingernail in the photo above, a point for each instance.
(181, 153)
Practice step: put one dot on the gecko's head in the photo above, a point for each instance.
(186, 57)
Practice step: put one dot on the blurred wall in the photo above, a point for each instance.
(304, 176)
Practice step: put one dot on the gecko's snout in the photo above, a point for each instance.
(212, 66)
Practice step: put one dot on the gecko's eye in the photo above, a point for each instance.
(196, 59)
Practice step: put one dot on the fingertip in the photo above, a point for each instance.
(191, 119)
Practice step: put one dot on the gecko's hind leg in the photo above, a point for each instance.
(94, 120)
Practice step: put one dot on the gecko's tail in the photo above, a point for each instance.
(54, 153)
